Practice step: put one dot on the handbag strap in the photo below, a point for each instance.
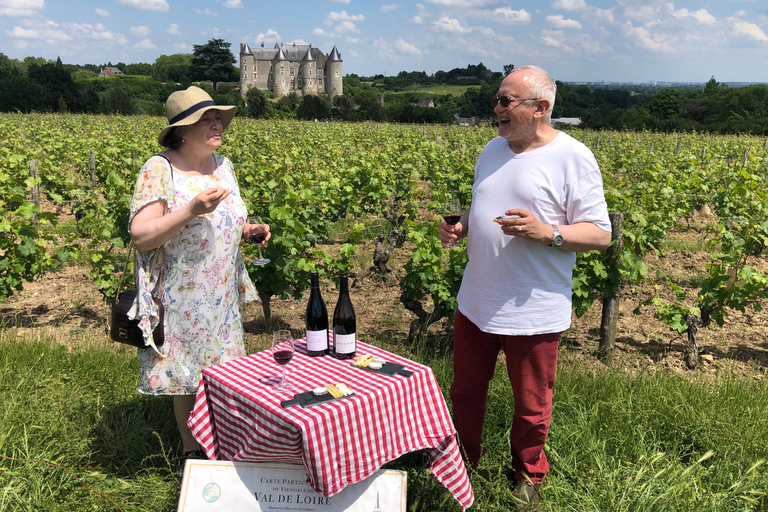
(158, 250)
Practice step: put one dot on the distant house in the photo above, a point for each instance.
(463, 121)
(569, 121)
(428, 103)
(107, 72)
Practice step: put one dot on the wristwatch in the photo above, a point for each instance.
(557, 238)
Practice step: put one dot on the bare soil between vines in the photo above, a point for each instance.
(67, 307)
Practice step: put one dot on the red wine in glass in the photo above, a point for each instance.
(258, 238)
(451, 214)
(452, 219)
(282, 353)
(282, 357)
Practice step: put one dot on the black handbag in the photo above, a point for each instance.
(123, 329)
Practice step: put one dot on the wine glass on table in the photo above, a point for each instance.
(282, 352)
(258, 239)
(452, 215)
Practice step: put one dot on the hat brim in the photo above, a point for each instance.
(227, 113)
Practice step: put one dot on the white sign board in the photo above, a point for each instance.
(217, 485)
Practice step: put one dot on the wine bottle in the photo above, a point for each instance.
(344, 324)
(316, 319)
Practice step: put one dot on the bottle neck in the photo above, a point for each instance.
(314, 281)
(344, 285)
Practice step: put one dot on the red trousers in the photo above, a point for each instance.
(531, 366)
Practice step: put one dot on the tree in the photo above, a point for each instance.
(174, 67)
(667, 104)
(213, 61)
(314, 107)
(508, 68)
(257, 103)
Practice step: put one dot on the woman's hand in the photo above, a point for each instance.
(207, 201)
(251, 230)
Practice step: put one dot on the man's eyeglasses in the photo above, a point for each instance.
(506, 100)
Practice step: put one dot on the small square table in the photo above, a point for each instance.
(237, 416)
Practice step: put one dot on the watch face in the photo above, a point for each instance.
(558, 240)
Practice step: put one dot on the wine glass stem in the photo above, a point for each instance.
(283, 381)
(260, 256)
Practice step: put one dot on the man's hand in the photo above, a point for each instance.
(523, 224)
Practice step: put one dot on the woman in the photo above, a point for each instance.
(187, 203)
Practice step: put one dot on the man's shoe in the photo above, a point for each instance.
(525, 496)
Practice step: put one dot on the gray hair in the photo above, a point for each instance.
(540, 85)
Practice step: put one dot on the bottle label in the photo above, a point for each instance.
(317, 340)
(344, 343)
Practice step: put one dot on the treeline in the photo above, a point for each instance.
(39, 85)
(714, 108)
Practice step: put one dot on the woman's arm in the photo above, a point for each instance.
(150, 228)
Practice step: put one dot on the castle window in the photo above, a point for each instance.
(310, 72)
(319, 71)
(245, 76)
(336, 73)
(291, 70)
(299, 71)
(245, 67)
(310, 82)
(299, 82)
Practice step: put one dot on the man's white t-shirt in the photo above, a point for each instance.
(513, 286)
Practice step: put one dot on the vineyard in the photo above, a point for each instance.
(328, 189)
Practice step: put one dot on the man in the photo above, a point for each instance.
(537, 200)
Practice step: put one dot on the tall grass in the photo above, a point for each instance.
(618, 443)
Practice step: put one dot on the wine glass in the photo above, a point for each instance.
(452, 215)
(282, 352)
(258, 238)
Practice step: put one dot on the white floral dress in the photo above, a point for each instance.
(204, 280)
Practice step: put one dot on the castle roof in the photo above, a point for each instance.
(334, 56)
(280, 55)
(246, 50)
(291, 52)
(308, 57)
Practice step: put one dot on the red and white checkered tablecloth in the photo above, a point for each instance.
(237, 416)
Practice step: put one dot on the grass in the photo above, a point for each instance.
(437, 90)
(618, 443)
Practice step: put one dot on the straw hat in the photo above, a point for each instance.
(185, 108)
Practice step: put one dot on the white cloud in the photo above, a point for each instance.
(407, 47)
(417, 20)
(206, 11)
(605, 15)
(101, 12)
(448, 24)
(21, 44)
(509, 16)
(570, 5)
(746, 29)
(641, 14)
(660, 43)
(388, 7)
(341, 23)
(463, 3)
(559, 22)
(234, 4)
(339, 1)
(174, 30)
(184, 47)
(145, 44)
(21, 8)
(140, 31)
(384, 48)
(700, 16)
(270, 35)
(149, 5)
(353, 40)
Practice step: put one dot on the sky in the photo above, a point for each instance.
(574, 40)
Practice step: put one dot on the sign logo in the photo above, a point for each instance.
(211, 492)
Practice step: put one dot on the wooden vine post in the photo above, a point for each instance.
(34, 166)
(610, 315)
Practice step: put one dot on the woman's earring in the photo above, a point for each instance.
(183, 141)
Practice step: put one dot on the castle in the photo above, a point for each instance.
(298, 68)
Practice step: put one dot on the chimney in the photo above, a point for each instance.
(241, 47)
(262, 44)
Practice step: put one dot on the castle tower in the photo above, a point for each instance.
(280, 68)
(333, 77)
(308, 73)
(247, 68)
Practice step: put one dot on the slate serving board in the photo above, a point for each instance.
(387, 368)
(308, 399)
